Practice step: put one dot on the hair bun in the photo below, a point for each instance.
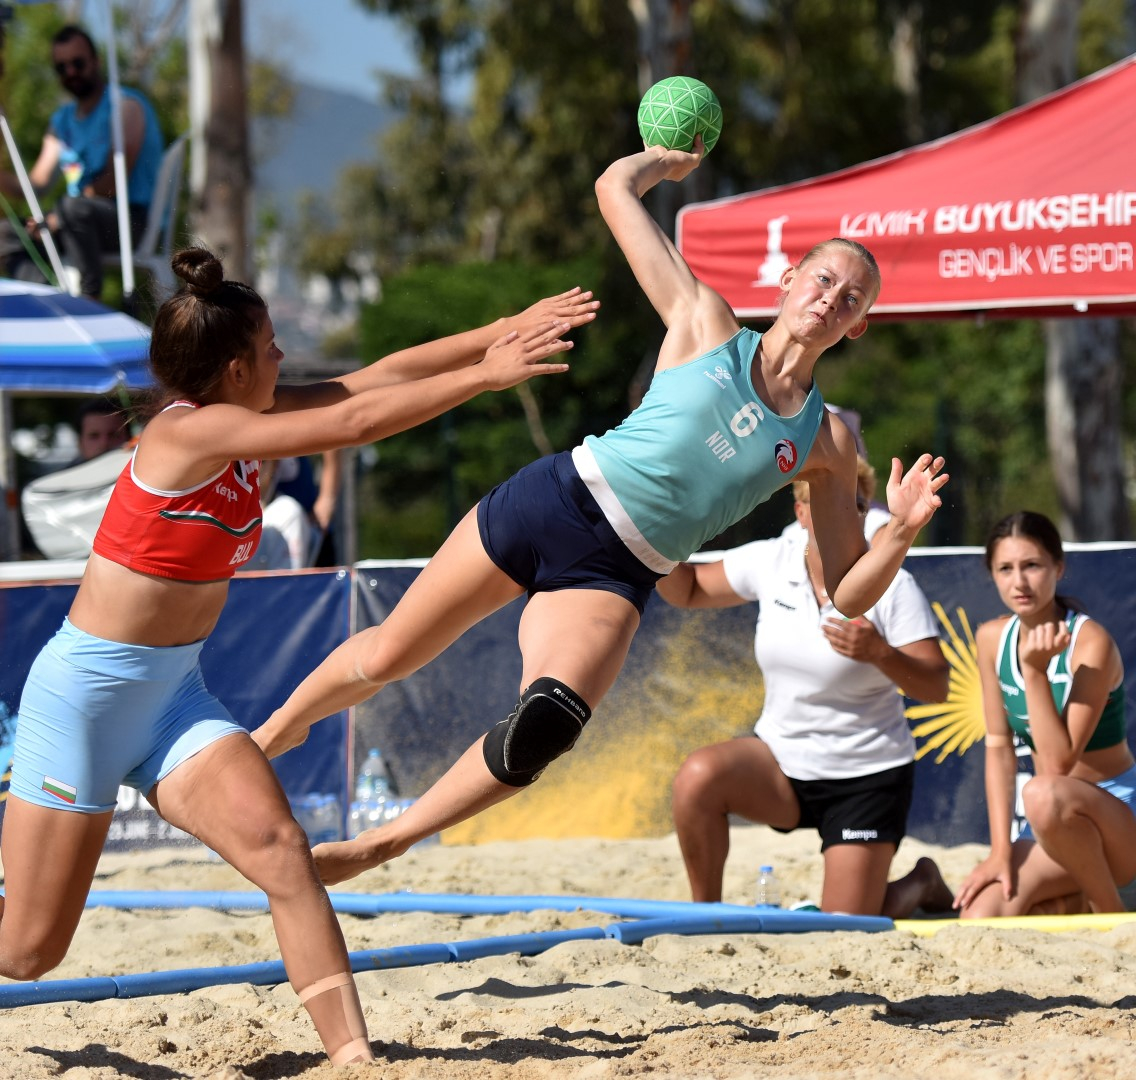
(200, 269)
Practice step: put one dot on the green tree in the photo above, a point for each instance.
(807, 87)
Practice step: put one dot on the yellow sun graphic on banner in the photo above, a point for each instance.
(956, 724)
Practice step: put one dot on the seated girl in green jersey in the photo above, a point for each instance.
(1053, 677)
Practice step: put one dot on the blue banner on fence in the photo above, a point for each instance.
(275, 628)
(690, 679)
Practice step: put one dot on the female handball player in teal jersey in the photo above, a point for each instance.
(731, 416)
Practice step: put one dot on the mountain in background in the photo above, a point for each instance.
(326, 131)
(306, 150)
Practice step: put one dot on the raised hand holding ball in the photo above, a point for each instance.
(674, 110)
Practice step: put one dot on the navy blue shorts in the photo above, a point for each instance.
(543, 528)
(868, 809)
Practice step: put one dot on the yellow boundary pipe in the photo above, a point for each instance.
(1052, 924)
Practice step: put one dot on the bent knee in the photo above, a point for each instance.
(75, 211)
(32, 961)
(282, 838)
(1045, 799)
(271, 854)
(697, 778)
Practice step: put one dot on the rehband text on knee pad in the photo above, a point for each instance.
(545, 724)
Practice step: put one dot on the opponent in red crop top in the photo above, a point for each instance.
(205, 533)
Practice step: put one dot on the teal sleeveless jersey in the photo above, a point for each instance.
(698, 454)
(1111, 728)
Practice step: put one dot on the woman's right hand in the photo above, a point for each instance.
(679, 164)
(994, 868)
(520, 355)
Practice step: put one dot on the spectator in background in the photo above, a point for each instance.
(318, 496)
(101, 425)
(79, 144)
(288, 539)
(1055, 678)
(833, 751)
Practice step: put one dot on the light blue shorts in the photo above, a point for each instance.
(1122, 787)
(96, 714)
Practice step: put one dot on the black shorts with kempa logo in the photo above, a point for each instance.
(868, 809)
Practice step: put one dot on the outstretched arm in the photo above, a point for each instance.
(855, 575)
(224, 432)
(575, 308)
(696, 317)
(698, 585)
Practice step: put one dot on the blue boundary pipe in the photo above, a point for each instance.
(651, 917)
(364, 904)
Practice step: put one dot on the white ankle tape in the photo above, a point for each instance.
(350, 1022)
(355, 1050)
(323, 986)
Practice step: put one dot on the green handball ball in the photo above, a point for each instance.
(674, 110)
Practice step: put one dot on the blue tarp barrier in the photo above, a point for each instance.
(690, 678)
(274, 630)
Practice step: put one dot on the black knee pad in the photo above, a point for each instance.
(545, 724)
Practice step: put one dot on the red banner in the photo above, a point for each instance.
(1032, 213)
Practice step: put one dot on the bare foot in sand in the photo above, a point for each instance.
(923, 888)
(1071, 904)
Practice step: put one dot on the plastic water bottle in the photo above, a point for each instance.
(364, 815)
(318, 815)
(374, 794)
(768, 889)
(374, 779)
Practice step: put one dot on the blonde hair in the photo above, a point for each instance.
(865, 484)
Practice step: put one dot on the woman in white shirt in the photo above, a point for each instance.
(833, 751)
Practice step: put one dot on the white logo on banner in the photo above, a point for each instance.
(775, 263)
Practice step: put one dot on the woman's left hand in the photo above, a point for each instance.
(1042, 643)
(913, 497)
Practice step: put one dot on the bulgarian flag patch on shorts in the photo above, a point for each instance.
(59, 789)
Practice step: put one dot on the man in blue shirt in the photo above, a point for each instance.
(78, 143)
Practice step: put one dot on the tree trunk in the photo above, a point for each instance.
(219, 168)
(1083, 367)
(665, 48)
(1083, 417)
(906, 63)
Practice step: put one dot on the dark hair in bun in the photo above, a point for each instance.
(203, 326)
(200, 269)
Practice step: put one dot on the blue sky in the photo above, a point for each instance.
(332, 43)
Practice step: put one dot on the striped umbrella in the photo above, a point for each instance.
(53, 342)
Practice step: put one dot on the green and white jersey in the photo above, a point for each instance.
(1110, 729)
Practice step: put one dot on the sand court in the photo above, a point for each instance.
(980, 1003)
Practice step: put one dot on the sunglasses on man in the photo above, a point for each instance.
(77, 64)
